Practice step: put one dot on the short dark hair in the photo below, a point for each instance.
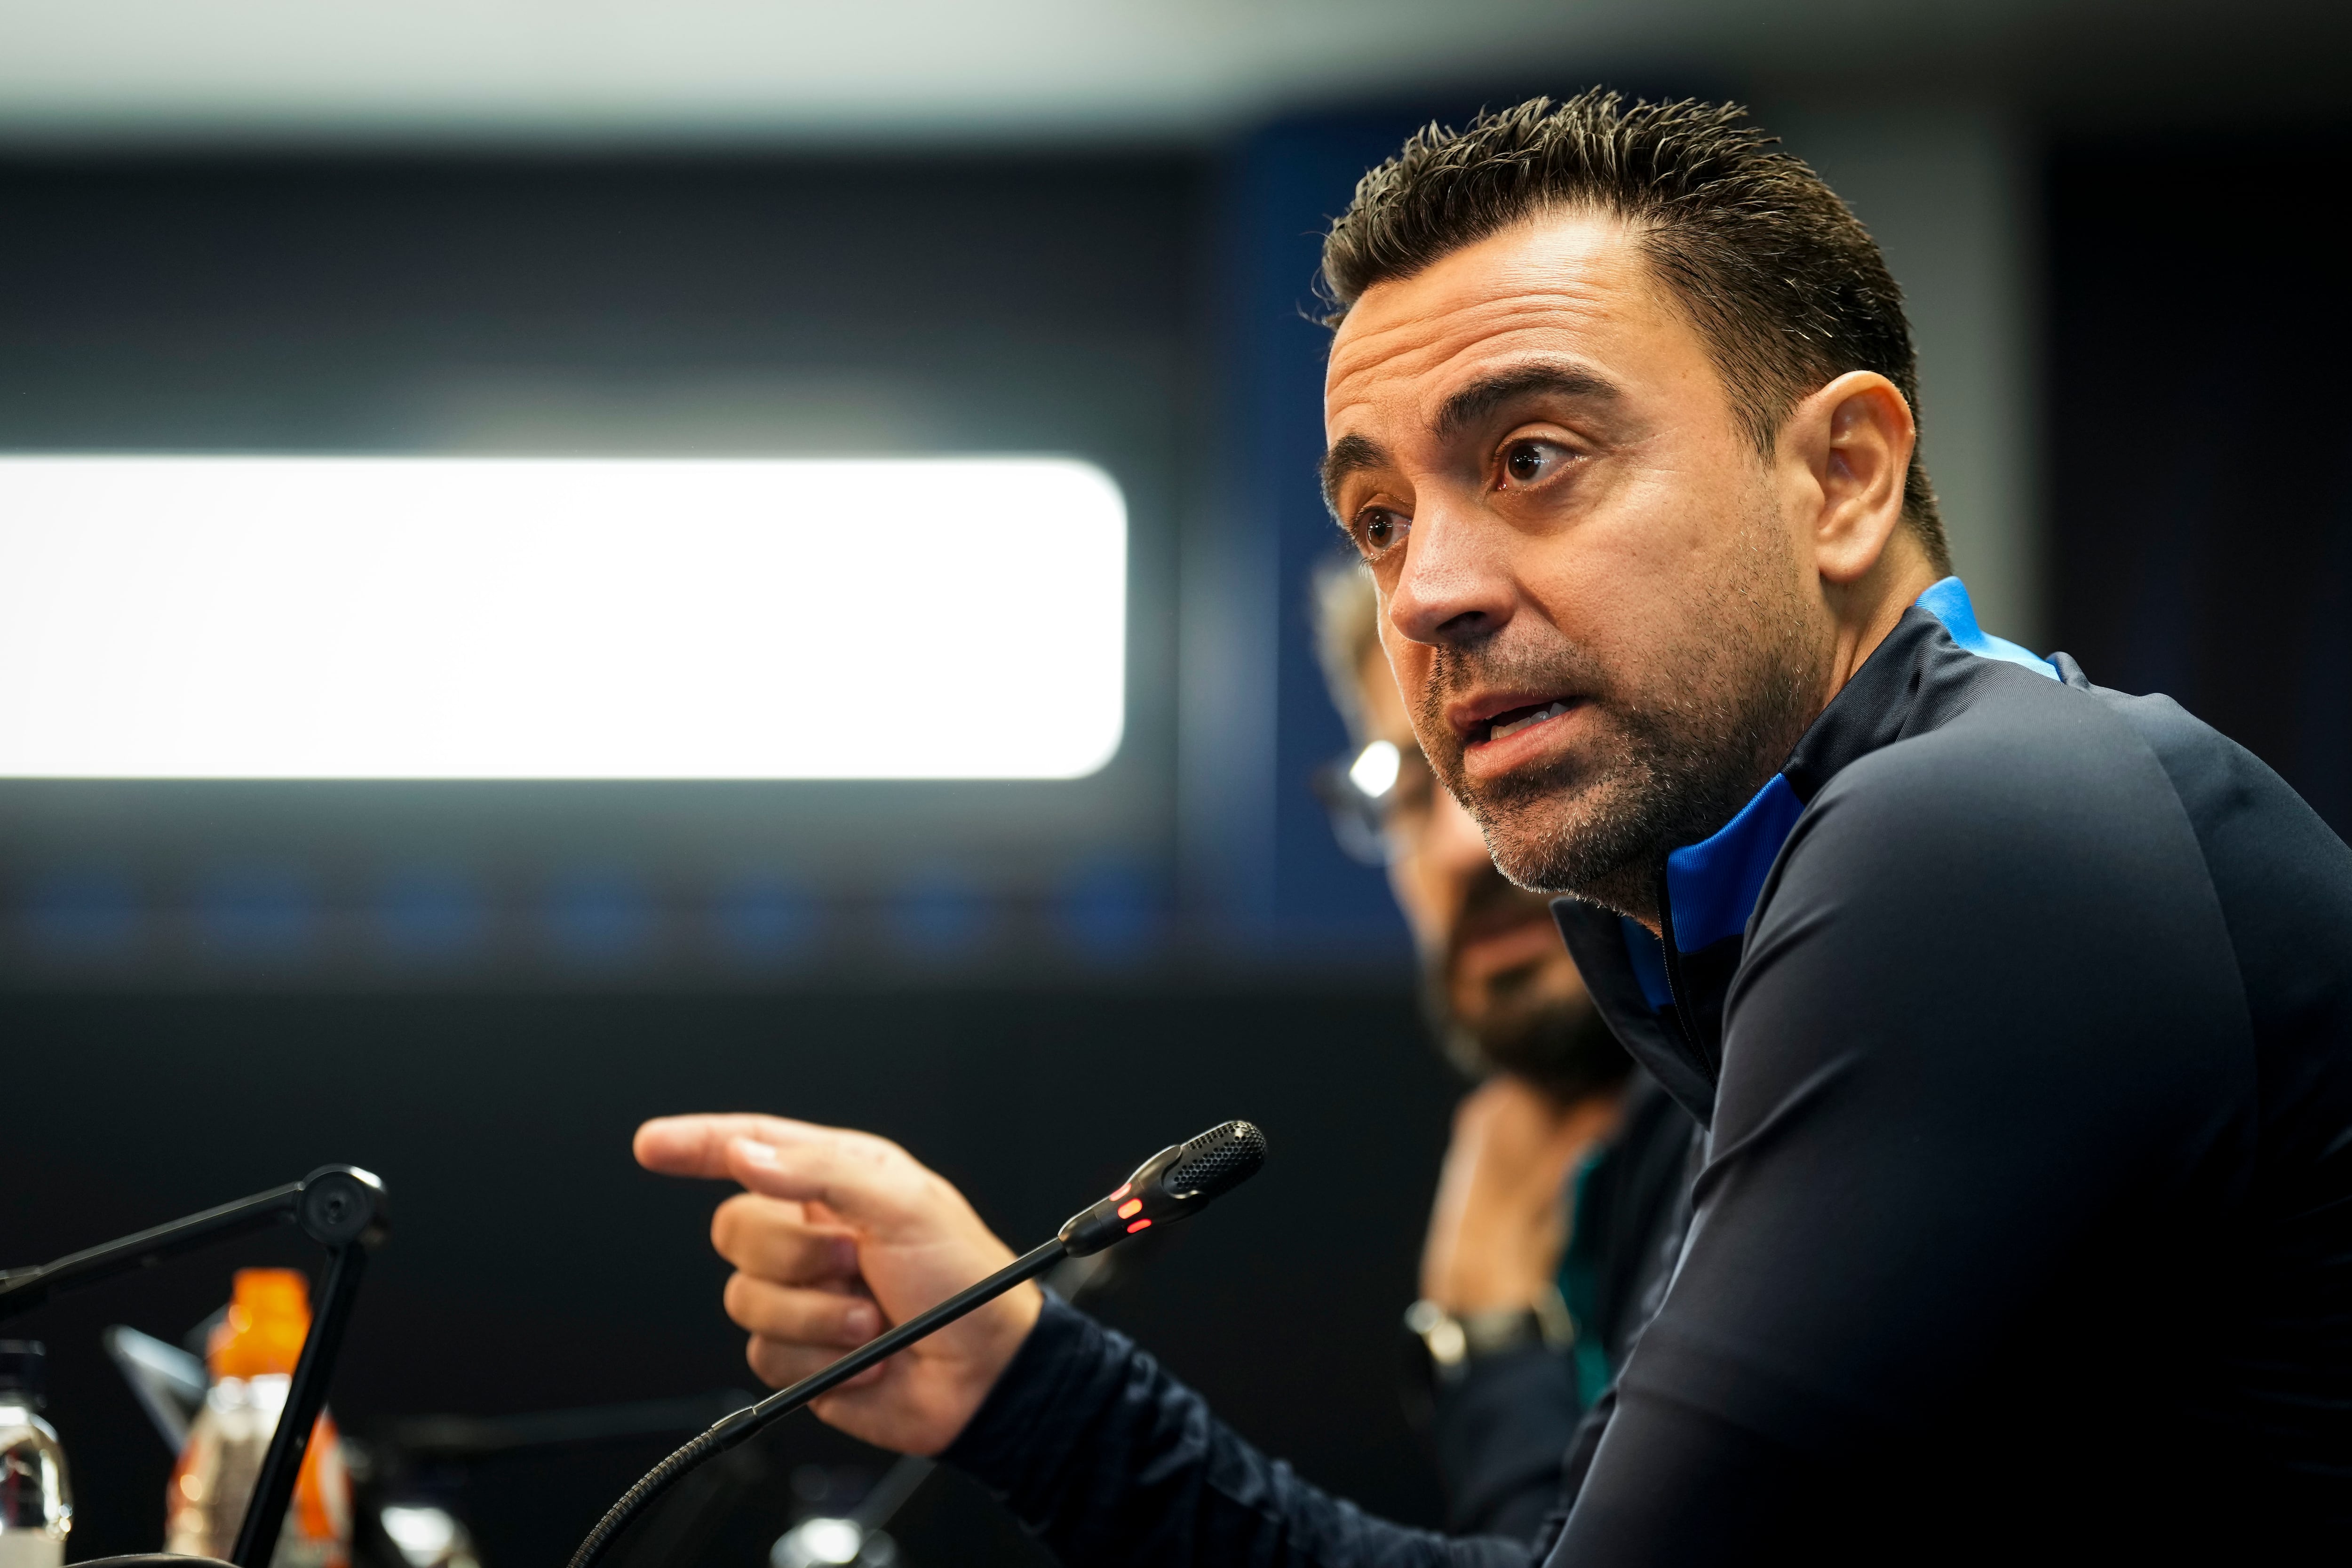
(1781, 279)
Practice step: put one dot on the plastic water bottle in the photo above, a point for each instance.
(251, 1359)
(35, 1503)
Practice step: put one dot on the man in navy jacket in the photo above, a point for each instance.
(2018, 1012)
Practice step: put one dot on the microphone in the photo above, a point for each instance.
(1180, 1180)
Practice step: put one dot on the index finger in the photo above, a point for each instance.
(697, 1145)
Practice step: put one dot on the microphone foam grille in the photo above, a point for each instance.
(1223, 1157)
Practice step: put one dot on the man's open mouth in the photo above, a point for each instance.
(1511, 720)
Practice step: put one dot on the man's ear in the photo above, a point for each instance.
(1854, 438)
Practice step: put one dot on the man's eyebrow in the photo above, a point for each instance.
(1348, 455)
(1481, 398)
(1352, 454)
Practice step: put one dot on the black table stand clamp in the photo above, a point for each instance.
(343, 1208)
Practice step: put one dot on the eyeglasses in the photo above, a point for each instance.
(1376, 796)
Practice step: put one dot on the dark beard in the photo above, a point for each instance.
(1519, 1022)
(1663, 773)
(1560, 1045)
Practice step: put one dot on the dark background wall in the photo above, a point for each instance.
(2200, 327)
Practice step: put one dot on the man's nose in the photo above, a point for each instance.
(1454, 587)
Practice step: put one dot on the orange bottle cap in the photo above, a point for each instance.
(269, 1319)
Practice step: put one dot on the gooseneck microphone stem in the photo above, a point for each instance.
(785, 1400)
(730, 1430)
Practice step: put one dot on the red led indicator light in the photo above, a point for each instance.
(1139, 1225)
(1124, 1188)
(1131, 1209)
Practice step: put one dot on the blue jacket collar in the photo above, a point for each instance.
(1670, 993)
(1947, 601)
(1712, 886)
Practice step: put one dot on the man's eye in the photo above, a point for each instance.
(1531, 462)
(1380, 527)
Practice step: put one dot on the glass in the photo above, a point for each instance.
(35, 1505)
(1376, 796)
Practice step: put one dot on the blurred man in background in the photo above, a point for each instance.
(1560, 1201)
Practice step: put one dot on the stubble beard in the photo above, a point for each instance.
(1733, 697)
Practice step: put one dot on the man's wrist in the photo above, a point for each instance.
(1010, 1436)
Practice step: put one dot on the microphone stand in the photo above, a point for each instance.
(343, 1209)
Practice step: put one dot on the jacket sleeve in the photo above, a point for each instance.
(1112, 1463)
(1501, 1433)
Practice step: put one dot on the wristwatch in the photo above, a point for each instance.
(1453, 1343)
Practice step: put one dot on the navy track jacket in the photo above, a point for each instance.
(2019, 1015)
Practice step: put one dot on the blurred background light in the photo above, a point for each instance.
(765, 917)
(925, 70)
(81, 914)
(1111, 914)
(940, 915)
(431, 914)
(536, 618)
(256, 912)
(596, 914)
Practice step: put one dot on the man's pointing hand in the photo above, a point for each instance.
(836, 1236)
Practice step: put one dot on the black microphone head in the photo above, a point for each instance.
(1216, 1162)
(1181, 1179)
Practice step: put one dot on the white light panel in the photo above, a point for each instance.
(263, 617)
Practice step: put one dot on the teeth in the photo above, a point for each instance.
(1549, 710)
